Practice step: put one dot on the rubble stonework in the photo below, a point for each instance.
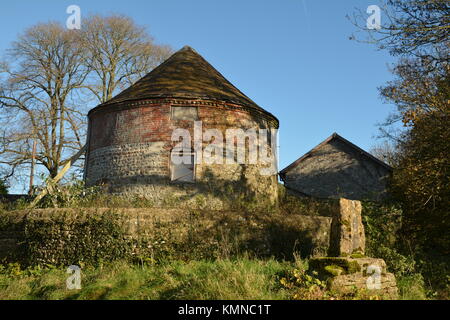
(346, 268)
(348, 235)
(60, 231)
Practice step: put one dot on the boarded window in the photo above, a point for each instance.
(185, 171)
(184, 113)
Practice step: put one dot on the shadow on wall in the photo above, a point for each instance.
(230, 234)
(164, 192)
(68, 236)
(286, 240)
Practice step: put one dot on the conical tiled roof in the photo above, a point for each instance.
(185, 74)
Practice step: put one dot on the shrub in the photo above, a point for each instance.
(303, 285)
(75, 238)
(411, 287)
(419, 273)
(382, 223)
(3, 187)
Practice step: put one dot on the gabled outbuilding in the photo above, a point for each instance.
(337, 168)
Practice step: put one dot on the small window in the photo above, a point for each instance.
(185, 171)
(184, 113)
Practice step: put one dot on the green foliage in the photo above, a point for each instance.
(293, 204)
(89, 238)
(303, 285)
(240, 278)
(334, 270)
(3, 187)
(75, 194)
(222, 279)
(71, 195)
(329, 266)
(412, 287)
(417, 31)
(69, 238)
(382, 223)
(419, 273)
(210, 235)
(20, 204)
(421, 183)
(435, 270)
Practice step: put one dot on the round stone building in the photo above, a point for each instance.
(183, 133)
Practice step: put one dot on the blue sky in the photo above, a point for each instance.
(292, 57)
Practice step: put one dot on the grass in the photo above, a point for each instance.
(412, 287)
(222, 279)
(225, 279)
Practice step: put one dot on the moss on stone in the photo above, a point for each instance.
(324, 265)
(334, 270)
(353, 267)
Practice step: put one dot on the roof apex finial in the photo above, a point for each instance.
(186, 47)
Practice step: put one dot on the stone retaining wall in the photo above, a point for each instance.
(162, 229)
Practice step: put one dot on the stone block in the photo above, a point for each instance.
(385, 285)
(347, 230)
(346, 274)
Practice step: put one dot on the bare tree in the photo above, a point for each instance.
(386, 152)
(412, 28)
(50, 76)
(418, 32)
(119, 53)
(37, 97)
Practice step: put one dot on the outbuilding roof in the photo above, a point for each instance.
(326, 141)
